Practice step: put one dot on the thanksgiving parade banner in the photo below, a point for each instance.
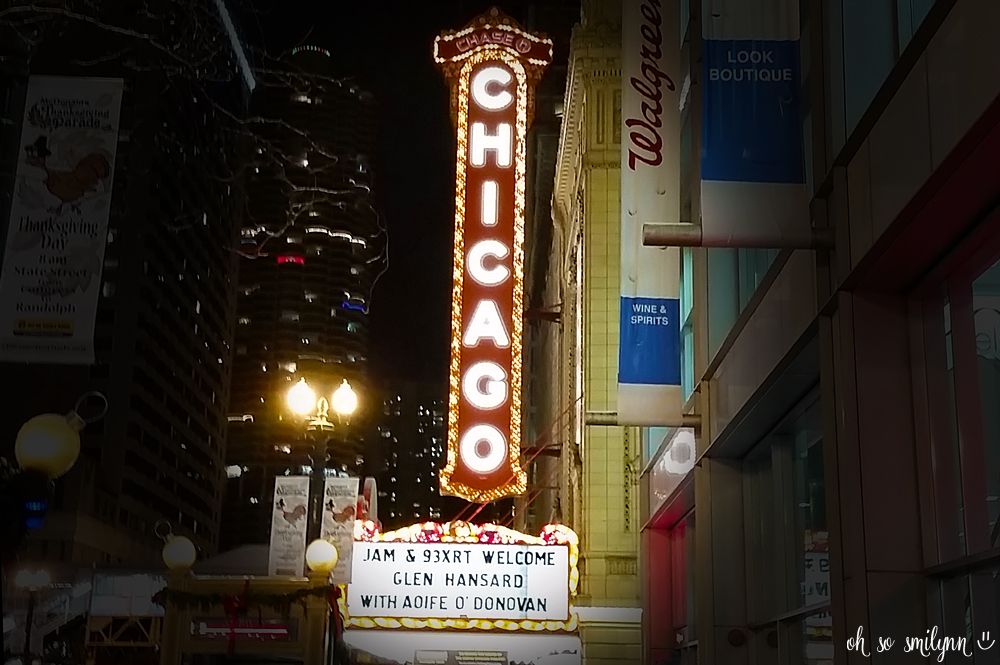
(340, 503)
(51, 274)
(289, 519)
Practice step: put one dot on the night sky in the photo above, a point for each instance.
(387, 48)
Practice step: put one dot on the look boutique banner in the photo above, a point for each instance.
(51, 279)
(752, 166)
(649, 373)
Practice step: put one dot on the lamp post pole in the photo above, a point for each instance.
(317, 486)
(32, 595)
(302, 400)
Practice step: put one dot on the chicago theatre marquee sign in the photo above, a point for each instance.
(492, 66)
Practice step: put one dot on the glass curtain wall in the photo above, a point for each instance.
(788, 569)
(960, 362)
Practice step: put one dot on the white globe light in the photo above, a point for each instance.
(48, 443)
(345, 400)
(301, 398)
(321, 556)
(179, 553)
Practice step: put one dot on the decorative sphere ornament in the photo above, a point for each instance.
(321, 556)
(179, 553)
(49, 443)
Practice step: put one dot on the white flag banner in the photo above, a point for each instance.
(289, 520)
(649, 373)
(51, 277)
(340, 505)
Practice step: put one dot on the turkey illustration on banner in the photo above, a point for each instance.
(289, 517)
(340, 510)
(649, 355)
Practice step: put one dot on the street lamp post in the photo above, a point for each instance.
(46, 447)
(302, 400)
(31, 581)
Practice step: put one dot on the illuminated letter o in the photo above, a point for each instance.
(469, 449)
(488, 396)
(488, 276)
(485, 99)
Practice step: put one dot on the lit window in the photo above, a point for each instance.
(289, 315)
(310, 297)
(289, 367)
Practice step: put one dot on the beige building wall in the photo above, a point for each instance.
(599, 473)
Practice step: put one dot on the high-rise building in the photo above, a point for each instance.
(410, 436)
(166, 310)
(407, 446)
(312, 247)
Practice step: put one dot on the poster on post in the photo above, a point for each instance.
(340, 501)
(289, 520)
(649, 353)
(50, 282)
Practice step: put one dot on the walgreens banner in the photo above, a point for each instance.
(649, 370)
(51, 278)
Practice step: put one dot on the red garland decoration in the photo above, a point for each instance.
(234, 606)
(338, 620)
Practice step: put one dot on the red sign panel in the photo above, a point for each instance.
(491, 91)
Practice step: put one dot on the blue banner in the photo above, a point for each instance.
(650, 339)
(752, 128)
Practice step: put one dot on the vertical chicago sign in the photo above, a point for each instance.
(492, 66)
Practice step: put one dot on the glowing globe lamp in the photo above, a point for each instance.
(49, 444)
(179, 553)
(321, 556)
(301, 398)
(345, 400)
